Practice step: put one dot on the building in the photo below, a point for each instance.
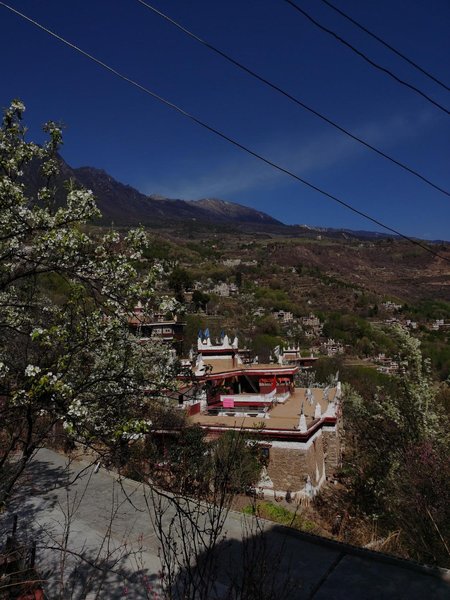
(225, 289)
(387, 365)
(297, 428)
(331, 348)
(312, 326)
(283, 316)
(292, 356)
(147, 325)
(391, 306)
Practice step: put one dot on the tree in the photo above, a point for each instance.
(200, 300)
(397, 456)
(179, 281)
(66, 355)
(189, 521)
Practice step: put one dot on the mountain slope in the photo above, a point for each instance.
(124, 205)
(231, 211)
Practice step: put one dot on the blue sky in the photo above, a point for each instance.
(113, 126)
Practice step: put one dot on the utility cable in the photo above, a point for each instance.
(292, 98)
(387, 45)
(222, 135)
(366, 58)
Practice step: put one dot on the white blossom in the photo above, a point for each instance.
(32, 370)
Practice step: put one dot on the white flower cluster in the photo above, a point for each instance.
(96, 371)
(4, 369)
(17, 106)
(32, 371)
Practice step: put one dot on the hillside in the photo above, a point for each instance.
(333, 262)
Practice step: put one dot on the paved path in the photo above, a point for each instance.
(125, 563)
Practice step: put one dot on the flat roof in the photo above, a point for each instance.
(282, 416)
(226, 366)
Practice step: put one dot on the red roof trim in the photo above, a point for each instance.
(237, 372)
(276, 434)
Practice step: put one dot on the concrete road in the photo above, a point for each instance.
(96, 539)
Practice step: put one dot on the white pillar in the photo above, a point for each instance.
(302, 424)
(318, 412)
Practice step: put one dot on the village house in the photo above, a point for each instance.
(312, 326)
(292, 356)
(147, 325)
(283, 316)
(225, 289)
(231, 262)
(390, 306)
(259, 312)
(297, 428)
(386, 365)
(438, 324)
(411, 324)
(331, 348)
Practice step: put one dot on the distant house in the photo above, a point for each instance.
(391, 306)
(292, 356)
(225, 289)
(387, 365)
(231, 262)
(332, 348)
(155, 325)
(437, 324)
(283, 316)
(312, 325)
(259, 312)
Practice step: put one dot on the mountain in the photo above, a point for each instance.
(223, 210)
(123, 205)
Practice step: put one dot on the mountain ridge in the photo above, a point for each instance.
(124, 205)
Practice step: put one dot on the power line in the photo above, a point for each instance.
(366, 58)
(387, 45)
(222, 135)
(292, 98)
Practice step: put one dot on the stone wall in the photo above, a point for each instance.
(289, 466)
(332, 449)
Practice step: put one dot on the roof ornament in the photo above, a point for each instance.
(302, 427)
(200, 367)
(318, 411)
